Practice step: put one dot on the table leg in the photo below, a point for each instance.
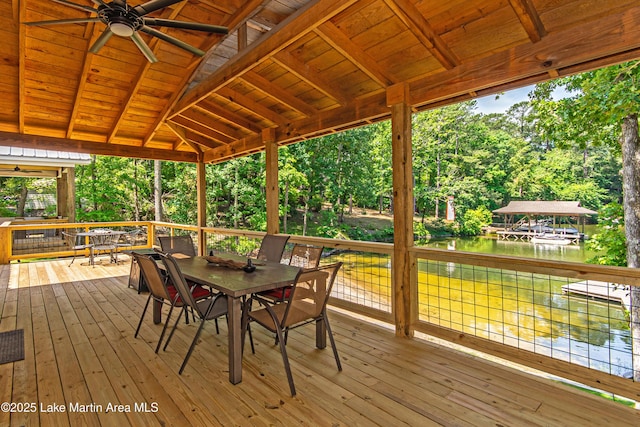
(235, 339)
(321, 334)
(157, 312)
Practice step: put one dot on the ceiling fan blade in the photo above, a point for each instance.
(144, 48)
(99, 2)
(77, 6)
(153, 5)
(101, 41)
(63, 21)
(174, 41)
(196, 26)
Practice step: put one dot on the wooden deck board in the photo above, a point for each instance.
(80, 321)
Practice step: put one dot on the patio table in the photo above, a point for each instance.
(236, 284)
(102, 239)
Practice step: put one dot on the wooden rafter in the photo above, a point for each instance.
(251, 105)
(343, 44)
(200, 116)
(410, 15)
(91, 34)
(234, 21)
(529, 18)
(298, 24)
(229, 116)
(20, 8)
(201, 129)
(310, 76)
(274, 91)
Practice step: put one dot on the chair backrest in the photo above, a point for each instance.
(305, 256)
(129, 237)
(70, 238)
(180, 283)
(310, 294)
(155, 281)
(272, 247)
(177, 244)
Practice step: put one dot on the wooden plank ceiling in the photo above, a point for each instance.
(288, 69)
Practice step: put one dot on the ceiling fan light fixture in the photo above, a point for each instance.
(122, 29)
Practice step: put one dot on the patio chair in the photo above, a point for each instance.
(161, 291)
(71, 239)
(177, 244)
(307, 302)
(209, 309)
(272, 247)
(104, 241)
(127, 240)
(303, 256)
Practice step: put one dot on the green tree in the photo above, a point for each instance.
(603, 109)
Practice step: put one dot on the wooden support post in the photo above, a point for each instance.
(5, 242)
(66, 192)
(273, 197)
(404, 308)
(201, 189)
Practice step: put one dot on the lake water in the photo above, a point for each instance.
(493, 245)
(524, 310)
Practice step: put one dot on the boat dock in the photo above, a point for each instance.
(526, 236)
(605, 291)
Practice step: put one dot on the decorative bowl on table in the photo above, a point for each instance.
(222, 262)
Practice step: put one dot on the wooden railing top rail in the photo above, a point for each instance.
(85, 225)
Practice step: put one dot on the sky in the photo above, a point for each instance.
(489, 104)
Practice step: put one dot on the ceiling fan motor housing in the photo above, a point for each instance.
(122, 21)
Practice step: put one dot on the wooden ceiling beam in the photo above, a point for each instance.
(196, 138)
(234, 21)
(90, 30)
(278, 93)
(300, 23)
(343, 44)
(583, 43)
(202, 130)
(412, 18)
(182, 134)
(20, 7)
(309, 75)
(229, 116)
(529, 18)
(255, 107)
(200, 116)
(242, 147)
(90, 147)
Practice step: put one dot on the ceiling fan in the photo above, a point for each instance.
(125, 21)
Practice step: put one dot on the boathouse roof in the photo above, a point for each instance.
(538, 207)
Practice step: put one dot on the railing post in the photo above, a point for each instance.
(5, 242)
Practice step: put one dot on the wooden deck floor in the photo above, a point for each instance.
(80, 354)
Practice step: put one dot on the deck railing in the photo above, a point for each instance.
(514, 308)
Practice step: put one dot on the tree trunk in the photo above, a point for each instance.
(286, 207)
(22, 201)
(631, 195)
(136, 199)
(304, 219)
(157, 188)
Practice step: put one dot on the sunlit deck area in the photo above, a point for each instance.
(81, 354)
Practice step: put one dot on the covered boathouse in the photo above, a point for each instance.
(524, 220)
